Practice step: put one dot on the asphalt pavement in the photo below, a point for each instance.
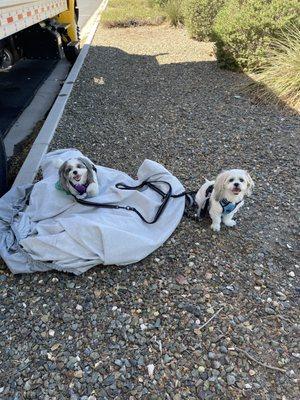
(86, 10)
(19, 85)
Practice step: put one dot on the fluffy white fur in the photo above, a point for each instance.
(232, 185)
(79, 171)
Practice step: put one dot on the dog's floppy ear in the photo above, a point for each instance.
(62, 178)
(250, 184)
(219, 185)
(90, 168)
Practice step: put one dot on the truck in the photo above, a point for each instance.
(35, 29)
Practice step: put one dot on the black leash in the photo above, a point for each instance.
(150, 184)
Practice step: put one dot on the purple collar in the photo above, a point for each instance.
(79, 187)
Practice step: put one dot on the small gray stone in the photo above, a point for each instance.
(109, 380)
(140, 361)
(223, 350)
(230, 379)
(157, 323)
(87, 352)
(216, 364)
(167, 358)
(96, 377)
(67, 317)
(95, 355)
(281, 296)
(71, 362)
(270, 311)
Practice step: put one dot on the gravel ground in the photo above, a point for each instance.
(152, 92)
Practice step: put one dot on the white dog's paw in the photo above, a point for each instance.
(230, 223)
(81, 196)
(92, 189)
(216, 227)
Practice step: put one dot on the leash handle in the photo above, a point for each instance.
(165, 197)
(123, 186)
(185, 193)
(151, 184)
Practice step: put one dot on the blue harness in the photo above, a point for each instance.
(227, 206)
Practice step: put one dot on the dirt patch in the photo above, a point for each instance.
(130, 23)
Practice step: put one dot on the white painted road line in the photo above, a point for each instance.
(88, 28)
(86, 9)
(40, 146)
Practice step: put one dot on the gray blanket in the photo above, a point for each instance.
(42, 228)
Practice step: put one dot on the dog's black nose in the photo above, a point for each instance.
(236, 184)
(75, 172)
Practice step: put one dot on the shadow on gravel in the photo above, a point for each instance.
(195, 119)
(95, 335)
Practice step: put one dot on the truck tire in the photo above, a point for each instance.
(71, 52)
(69, 30)
(3, 169)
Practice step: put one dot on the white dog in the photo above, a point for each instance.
(224, 196)
(78, 176)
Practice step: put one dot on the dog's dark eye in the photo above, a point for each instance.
(79, 166)
(68, 170)
(231, 180)
(241, 180)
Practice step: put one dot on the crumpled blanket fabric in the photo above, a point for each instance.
(42, 228)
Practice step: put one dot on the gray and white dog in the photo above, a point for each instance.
(79, 177)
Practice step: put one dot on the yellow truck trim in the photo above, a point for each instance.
(69, 19)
